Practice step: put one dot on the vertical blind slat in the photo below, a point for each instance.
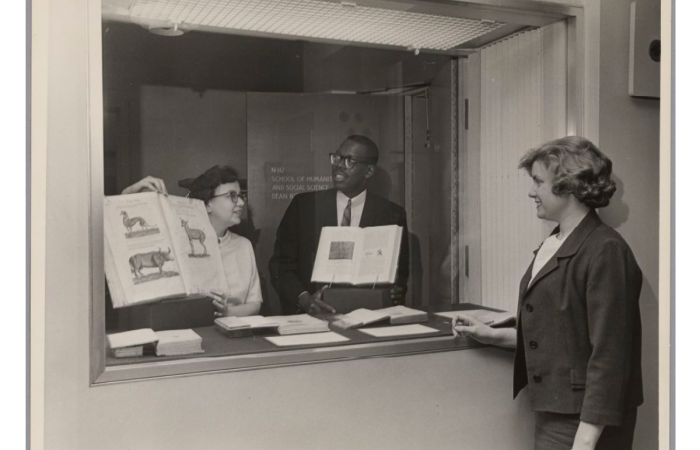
(514, 109)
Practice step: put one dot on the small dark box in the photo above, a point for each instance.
(175, 314)
(345, 300)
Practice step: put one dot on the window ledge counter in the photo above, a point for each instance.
(223, 353)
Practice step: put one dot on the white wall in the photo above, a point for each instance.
(415, 402)
(629, 135)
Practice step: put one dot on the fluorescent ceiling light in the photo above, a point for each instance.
(316, 19)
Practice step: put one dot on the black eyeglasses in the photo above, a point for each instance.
(349, 161)
(234, 196)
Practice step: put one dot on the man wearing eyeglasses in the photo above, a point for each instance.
(347, 204)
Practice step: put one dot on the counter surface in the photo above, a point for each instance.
(254, 352)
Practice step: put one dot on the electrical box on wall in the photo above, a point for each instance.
(645, 48)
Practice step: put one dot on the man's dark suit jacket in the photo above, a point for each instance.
(579, 328)
(298, 234)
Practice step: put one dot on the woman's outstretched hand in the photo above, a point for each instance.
(473, 328)
(470, 327)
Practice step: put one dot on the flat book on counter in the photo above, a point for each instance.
(178, 342)
(284, 325)
(166, 343)
(159, 247)
(128, 352)
(130, 343)
(358, 256)
(493, 319)
(394, 315)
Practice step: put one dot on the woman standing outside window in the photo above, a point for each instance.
(578, 339)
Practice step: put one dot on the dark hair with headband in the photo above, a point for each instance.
(204, 186)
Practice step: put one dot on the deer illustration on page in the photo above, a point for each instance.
(193, 234)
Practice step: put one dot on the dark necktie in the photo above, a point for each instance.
(346, 215)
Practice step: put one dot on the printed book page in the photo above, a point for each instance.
(337, 247)
(353, 255)
(116, 290)
(378, 256)
(143, 255)
(196, 244)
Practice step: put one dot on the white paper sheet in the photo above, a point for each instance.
(400, 330)
(306, 339)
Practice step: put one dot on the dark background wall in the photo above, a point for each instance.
(139, 65)
(133, 56)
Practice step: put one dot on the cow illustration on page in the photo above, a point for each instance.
(151, 260)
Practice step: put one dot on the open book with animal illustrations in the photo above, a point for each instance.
(159, 247)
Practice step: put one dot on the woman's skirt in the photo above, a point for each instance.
(555, 431)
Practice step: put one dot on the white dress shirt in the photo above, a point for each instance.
(547, 250)
(356, 207)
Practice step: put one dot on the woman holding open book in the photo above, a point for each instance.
(578, 339)
(220, 191)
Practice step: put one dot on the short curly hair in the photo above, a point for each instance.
(204, 186)
(578, 167)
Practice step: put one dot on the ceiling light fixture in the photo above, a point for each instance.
(170, 30)
(324, 21)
